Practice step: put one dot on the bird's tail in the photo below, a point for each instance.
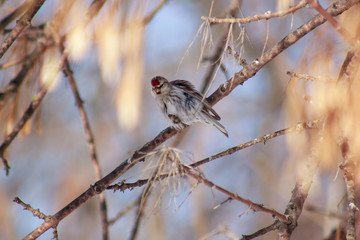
(210, 120)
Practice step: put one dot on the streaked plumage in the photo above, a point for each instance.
(182, 104)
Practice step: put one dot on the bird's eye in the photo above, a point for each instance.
(155, 82)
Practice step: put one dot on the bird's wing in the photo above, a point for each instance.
(190, 89)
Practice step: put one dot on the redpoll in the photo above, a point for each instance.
(182, 105)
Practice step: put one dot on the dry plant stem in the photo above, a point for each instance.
(14, 14)
(151, 15)
(348, 167)
(94, 9)
(224, 90)
(252, 68)
(299, 195)
(21, 24)
(143, 199)
(262, 231)
(214, 60)
(350, 66)
(35, 212)
(124, 211)
(345, 34)
(298, 127)
(235, 196)
(219, 51)
(35, 103)
(29, 62)
(90, 139)
(265, 16)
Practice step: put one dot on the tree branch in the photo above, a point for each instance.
(21, 24)
(266, 16)
(252, 68)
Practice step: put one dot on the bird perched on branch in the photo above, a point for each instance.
(182, 104)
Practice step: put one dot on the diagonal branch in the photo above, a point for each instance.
(29, 62)
(89, 138)
(299, 195)
(21, 24)
(34, 104)
(263, 139)
(251, 69)
(254, 206)
(266, 16)
(224, 90)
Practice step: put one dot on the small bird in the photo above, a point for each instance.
(182, 104)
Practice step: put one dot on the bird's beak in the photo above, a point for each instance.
(157, 90)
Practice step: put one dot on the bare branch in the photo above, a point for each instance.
(29, 62)
(34, 104)
(21, 24)
(35, 212)
(268, 15)
(345, 34)
(89, 138)
(348, 167)
(299, 195)
(151, 15)
(262, 231)
(239, 78)
(254, 206)
(298, 127)
(252, 68)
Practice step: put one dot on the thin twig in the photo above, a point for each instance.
(122, 186)
(254, 206)
(123, 212)
(143, 199)
(89, 138)
(101, 185)
(225, 89)
(268, 15)
(14, 14)
(29, 62)
(252, 68)
(151, 15)
(262, 231)
(35, 212)
(34, 104)
(298, 127)
(348, 167)
(308, 77)
(21, 24)
(299, 194)
(345, 34)
(323, 212)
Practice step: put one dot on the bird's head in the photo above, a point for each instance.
(160, 86)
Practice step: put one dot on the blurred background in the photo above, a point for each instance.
(113, 59)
